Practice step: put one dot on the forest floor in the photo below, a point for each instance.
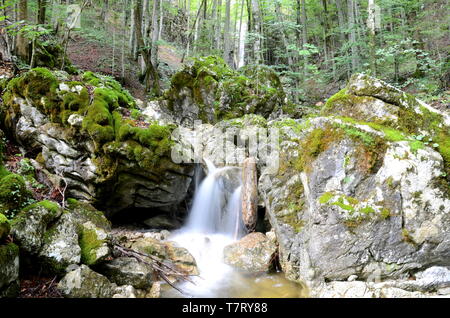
(39, 287)
(97, 57)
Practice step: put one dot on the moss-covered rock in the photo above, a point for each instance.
(84, 212)
(5, 227)
(400, 116)
(49, 53)
(93, 243)
(82, 127)
(358, 180)
(30, 225)
(210, 91)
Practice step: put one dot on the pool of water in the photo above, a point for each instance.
(218, 280)
(273, 285)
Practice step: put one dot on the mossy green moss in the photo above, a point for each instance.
(5, 227)
(89, 243)
(38, 85)
(84, 212)
(326, 197)
(13, 195)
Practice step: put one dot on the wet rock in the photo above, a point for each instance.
(9, 269)
(254, 253)
(182, 259)
(128, 271)
(31, 224)
(85, 283)
(179, 256)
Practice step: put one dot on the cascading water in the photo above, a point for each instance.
(214, 222)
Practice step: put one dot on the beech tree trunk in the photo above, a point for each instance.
(22, 44)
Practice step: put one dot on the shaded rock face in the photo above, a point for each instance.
(9, 269)
(366, 195)
(254, 253)
(210, 91)
(82, 136)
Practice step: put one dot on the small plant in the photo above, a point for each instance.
(136, 114)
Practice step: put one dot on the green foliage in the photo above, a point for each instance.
(13, 195)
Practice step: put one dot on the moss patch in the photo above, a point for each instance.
(13, 195)
(89, 243)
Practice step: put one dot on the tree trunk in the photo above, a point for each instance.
(155, 32)
(22, 44)
(352, 36)
(145, 52)
(372, 40)
(227, 54)
(42, 6)
(303, 20)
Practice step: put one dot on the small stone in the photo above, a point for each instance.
(155, 291)
(75, 120)
(352, 278)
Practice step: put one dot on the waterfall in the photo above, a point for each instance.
(214, 209)
(214, 221)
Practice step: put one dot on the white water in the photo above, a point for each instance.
(211, 226)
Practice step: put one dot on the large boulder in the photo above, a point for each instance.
(9, 268)
(365, 195)
(255, 253)
(87, 140)
(30, 225)
(210, 91)
(57, 238)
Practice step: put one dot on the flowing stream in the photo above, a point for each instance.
(214, 222)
